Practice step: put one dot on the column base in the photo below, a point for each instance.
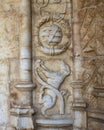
(21, 119)
(21, 113)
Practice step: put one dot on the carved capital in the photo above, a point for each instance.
(21, 118)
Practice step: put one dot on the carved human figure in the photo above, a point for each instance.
(50, 88)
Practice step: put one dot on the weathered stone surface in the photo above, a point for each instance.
(52, 51)
(4, 94)
(57, 45)
(91, 15)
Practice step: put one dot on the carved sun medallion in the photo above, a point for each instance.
(53, 37)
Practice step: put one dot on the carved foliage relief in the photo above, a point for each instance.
(91, 15)
(52, 57)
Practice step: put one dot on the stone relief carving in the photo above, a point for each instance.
(50, 82)
(91, 15)
(52, 36)
(49, 7)
(99, 79)
(92, 32)
(88, 78)
(93, 77)
(92, 43)
(41, 4)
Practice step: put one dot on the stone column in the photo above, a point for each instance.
(78, 103)
(22, 112)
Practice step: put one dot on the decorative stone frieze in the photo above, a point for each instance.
(52, 66)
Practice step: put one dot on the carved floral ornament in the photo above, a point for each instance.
(52, 36)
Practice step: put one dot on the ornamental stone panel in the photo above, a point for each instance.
(51, 64)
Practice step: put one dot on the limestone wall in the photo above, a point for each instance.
(91, 14)
(51, 64)
(9, 51)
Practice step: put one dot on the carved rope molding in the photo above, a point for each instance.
(21, 114)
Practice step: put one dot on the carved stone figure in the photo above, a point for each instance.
(50, 82)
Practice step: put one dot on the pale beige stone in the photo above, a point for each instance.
(57, 46)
